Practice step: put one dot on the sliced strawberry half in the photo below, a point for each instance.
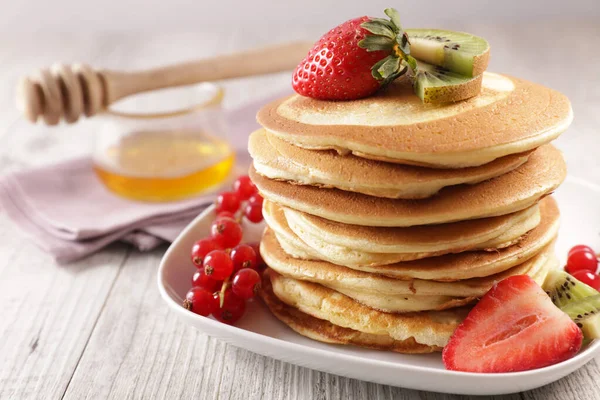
(514, 327)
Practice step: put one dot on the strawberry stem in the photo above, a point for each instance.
(387, 35)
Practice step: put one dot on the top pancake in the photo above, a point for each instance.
(509, 116)
(280, 160)
(511, 192)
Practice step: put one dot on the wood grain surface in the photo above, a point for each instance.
(98, 328)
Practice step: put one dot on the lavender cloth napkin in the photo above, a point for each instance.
(69, 213)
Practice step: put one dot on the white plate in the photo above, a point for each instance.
(260, 332)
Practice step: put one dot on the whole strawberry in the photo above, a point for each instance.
(355, 59)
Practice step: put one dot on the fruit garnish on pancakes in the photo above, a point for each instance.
(360, 56)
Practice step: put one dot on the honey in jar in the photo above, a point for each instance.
(164, 156)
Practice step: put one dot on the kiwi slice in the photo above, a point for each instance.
(583, 308)
(586, 314)
(563, 289)
(590, 326)
(458, 52)
(578, 300)
(434, 84)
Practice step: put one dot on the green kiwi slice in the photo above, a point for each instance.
(434, 84)
(458, 52)
(578, 300)
(586, 314)
(583, 308)
(590, 326)
(563, 289)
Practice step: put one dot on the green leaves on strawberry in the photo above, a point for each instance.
(388, 36)
(355, 59)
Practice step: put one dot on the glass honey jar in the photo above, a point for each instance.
(164, 145)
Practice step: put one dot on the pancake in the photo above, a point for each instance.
(281, 244)
(509, 116)
(279, 160)
(357, 258)
(475, 233)
(431, 328)
(337, 276)
(511, 192)
(391, 295)
(324, 331)
(516, 225)
(537, 268)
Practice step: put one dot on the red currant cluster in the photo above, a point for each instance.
(583, 265)
(228, 272)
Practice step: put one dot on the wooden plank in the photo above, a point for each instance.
(138, 348)
(48, 313)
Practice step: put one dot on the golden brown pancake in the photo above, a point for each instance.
(448, 267)
(519, 189)
(279, 160)
(431, 328)
(392, 295)
(468, 268)
(458, 237)
(537, 268)
(509, 116)
(422, 238)
(324, 331)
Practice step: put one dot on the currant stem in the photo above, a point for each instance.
(224, 287)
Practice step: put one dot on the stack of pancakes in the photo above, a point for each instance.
(388, 218)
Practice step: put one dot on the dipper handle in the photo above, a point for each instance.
(69, 91)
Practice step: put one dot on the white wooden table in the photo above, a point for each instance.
(98, 328)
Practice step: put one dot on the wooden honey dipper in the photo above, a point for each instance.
(69, 91)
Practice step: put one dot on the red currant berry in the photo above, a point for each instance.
(588, 278)
(200, 301)
(201, 248)
(200, 279)
(233, 307)
(256, 199)
(579, 247)
(228, 201)
(243, 256)
(246, 283)
(260, 263)
(253, 212)
(227, 232)
(244, 187)
(582, 260)
(225, 214)
(218, 265)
